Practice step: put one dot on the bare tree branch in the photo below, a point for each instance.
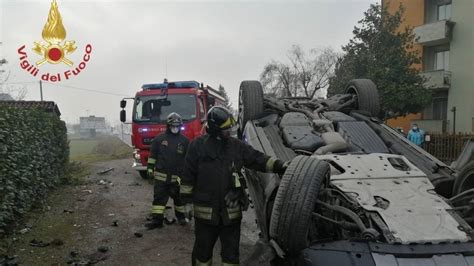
(277, 79)
(17, 92)
(304, 75)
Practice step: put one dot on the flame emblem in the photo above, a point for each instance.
(54, 34)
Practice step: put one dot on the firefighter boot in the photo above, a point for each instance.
(169, 219)
(182, 221)
(180, 215)
(156, 222)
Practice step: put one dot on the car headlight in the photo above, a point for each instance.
(136, 155)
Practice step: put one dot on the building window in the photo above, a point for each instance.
(440, 108)
(444, 12)
(442, 60)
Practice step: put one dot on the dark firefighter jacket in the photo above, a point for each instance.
(211, 169)
(167, 156)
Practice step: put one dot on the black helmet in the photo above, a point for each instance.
(219, 119)
(174, 119)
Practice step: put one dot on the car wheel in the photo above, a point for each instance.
(367, 95)
(143, 174)
(295, 202)
(250, 102)
(465, 179)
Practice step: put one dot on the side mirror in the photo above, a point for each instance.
(123, 103)
(123, 116)
(211, 101)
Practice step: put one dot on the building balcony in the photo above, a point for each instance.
(435, 33)
(437, 79)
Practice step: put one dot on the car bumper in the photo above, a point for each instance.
(343, 253)
(138, 166)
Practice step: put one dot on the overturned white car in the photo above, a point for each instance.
(356, 192)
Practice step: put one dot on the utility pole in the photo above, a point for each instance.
(121, 129)
(41, 90)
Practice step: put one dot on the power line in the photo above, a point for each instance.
(89, 90)
(67, 86)
(19, 82)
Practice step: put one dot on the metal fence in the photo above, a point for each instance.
(446, 147)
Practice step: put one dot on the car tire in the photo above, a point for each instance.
(465, 179)
(250, 102)
(143, 174)
(295, 202)
(367, 95)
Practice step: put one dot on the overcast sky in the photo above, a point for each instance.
(215, 42)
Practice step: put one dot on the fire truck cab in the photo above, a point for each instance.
(155, 102)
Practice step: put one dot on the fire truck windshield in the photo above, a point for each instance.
(155, 109)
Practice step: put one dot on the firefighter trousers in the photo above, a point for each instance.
(206, 237)
(161, 193)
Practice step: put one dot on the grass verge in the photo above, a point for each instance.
(101, 149)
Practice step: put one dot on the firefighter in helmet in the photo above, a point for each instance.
(165, 165)
(213, 183)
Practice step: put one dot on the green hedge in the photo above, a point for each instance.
(34, 154)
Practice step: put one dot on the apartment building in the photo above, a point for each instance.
(444, 31)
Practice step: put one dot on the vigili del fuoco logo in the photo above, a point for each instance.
(54, 50)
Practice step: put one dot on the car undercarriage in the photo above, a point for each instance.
(352, 181)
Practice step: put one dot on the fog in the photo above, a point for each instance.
(137, 42)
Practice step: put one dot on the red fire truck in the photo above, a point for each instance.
(152, 105)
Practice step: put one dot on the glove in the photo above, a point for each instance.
(244, 202)
(280, 166)
(233, 197)
(150, 173)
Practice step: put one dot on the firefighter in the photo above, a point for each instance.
(165, 165)
(213, 183)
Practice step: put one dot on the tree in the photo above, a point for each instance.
(3, 73)
(382, 51)
(278, 79)
(223, 93)
(303, 75)
(17, 91)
